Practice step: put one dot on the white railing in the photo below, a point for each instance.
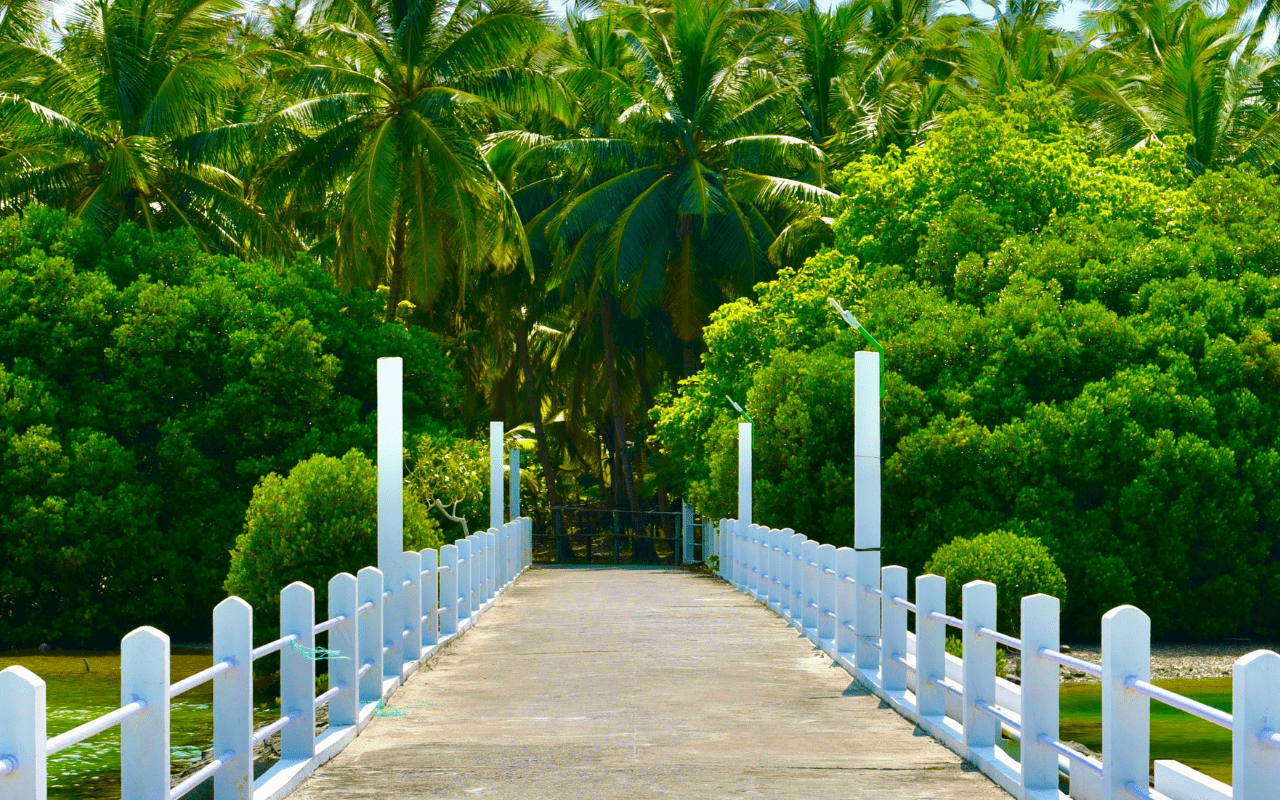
(367, 627)
(857, 612)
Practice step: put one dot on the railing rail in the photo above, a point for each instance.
(857, 612)
(359, 607)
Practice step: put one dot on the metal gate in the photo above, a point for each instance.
(591, 535)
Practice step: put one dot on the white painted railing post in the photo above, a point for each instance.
(867, 614)
(144, 737)
(978, 602)
(344, 707)
(893, 629)
(430, 597)
(491, 569)
(514, 459)
(23, 735)
(500, 552)
(413, 606)
(722, 547)
(477, 561)
(1126, 714)
(809, 556)
(775, 560)
(463, 601)
(369, 632)
(528, 538)
(448, 589)
(794, 570)
(1255, 708)
(233, 699)
(756, 536)
(495, 475)
(297, 672)
(845, 641)
(391, 506)
(827, 593)
(1040, 680)
(931, 646)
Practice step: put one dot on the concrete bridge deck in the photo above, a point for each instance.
(595, 683)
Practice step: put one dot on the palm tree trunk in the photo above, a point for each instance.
(396, 293)
(619, 430)
(563, 551)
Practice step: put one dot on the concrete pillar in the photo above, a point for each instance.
(809, 559)
(845, 641)
(491, 563)
(391, 498)
(344, 708)
(866, 451)
(298, 673)
(412, 606)
(495, 475)
(893, 629)
(795, 572)
(979, 611)
(430, 597)
(867, 607)
(1040, 681)
(369, 633)
(448, 589)
(144, 737)
(1255, 708)
(23, 736)
(931, 645)
(232, 699)
(515, 483)
(463, 602)
(744, 473)
(827, 593)
(775, 566)
(1126, 715)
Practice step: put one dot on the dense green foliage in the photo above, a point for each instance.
(1080, 349)
(1017, 565)
(146, 387)
(319, 520)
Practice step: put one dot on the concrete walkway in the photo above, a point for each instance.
(634, 684)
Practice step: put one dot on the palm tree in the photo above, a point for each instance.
(111, 125)
(387, 136)
(1176, 70)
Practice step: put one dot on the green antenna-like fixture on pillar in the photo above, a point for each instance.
(857, 326)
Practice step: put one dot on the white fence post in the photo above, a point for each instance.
(412, 606)
(845, 640)
(867, 615)
(776, 538)
(233, 699)
(430, 597)
(1039, 678)
(23, 735)
(978, 601)
(448, 570)
(369, 632)
(1126, 714)
(794, 570)
(344, 707)
(463, 601)
(893, 629)
(723, 549)
(491, 562)
(514, 480)
(1255, 707)
(931, 646)
(827, 593)
(809, 557)
(144, 737)
(752, 544)
(297, 672)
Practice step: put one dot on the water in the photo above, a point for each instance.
(82, 686)
(1174, 734)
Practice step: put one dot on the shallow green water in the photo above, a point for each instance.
(82, 686)
(1174, 734)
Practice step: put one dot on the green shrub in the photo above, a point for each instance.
(1017, 565)
(320, 520)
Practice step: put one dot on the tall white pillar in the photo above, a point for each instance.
(390, 467)
(866, 451)
(495, 475)
(515, 485)
(744, 489)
